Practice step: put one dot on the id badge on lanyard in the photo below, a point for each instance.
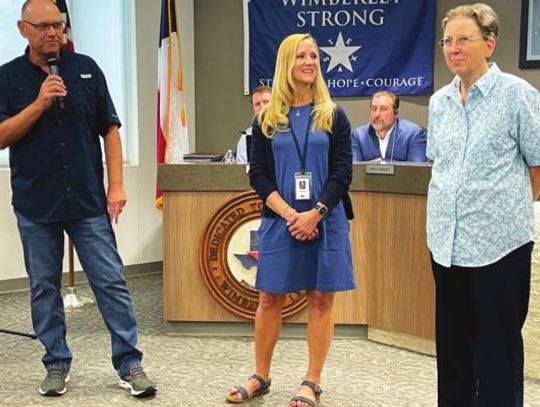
(302, 186)
(302, 179)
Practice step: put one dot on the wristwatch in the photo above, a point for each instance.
(323, 210)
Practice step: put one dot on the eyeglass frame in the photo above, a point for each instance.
(44, 27)
(447, 42)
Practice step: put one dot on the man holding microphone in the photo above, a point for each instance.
(52, 125)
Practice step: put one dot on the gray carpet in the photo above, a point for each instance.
(196, 371)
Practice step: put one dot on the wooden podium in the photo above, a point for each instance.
(395, 287)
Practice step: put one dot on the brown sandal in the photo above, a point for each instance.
(245, 396)
(316, 390)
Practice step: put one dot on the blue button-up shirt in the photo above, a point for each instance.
(56, 168)
(480, 205)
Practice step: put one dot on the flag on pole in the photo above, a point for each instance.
(71, 300)
(172, 136)
(67, 42)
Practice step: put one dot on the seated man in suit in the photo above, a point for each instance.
(386, 136)
(260, 97)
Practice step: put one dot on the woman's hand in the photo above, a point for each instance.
(303, 225)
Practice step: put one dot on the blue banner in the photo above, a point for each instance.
(366, 45)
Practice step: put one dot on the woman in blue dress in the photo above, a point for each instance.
(301, 167)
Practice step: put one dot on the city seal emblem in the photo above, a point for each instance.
(228, 258)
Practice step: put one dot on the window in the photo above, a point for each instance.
(104, 30)
(11, 43)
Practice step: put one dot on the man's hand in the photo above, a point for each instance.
(16, 127)
(116, 196)
(116, 200)
(52, 87)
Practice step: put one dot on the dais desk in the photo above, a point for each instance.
(391, 260)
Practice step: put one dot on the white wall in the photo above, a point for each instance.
(139, 230)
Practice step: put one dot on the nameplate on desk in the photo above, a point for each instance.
(380, 169)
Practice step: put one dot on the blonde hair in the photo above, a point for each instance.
(483, 15)
(284, 89)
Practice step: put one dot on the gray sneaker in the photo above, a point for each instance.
(138, 383)
(54, 384)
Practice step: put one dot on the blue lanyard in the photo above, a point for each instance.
(300, 155)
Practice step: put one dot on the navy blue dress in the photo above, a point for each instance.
(286, 264)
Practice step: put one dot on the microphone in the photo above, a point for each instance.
(52, 62)
(395, 131)
(242, 151)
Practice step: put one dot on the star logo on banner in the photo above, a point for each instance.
(340, 54)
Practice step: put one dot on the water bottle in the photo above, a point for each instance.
(229, 157)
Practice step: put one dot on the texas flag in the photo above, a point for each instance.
(172, 136)
(67, 43)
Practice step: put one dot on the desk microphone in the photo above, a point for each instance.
(394, 131)
(243, 150)
(393, 145)
(52, 62)
(237, 137)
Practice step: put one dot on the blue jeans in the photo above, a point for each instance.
(93, 238)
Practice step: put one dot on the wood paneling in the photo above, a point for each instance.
(390, 247)
(186, 298)
(395, 287)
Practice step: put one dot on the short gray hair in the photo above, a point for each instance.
(483, 15)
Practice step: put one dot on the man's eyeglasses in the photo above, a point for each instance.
(58, 26)
(460, 41)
